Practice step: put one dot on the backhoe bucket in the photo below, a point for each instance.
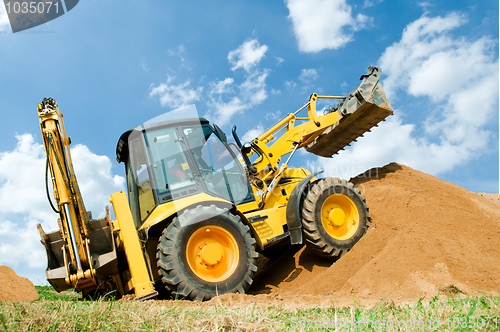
(364, 108)
(102, 251)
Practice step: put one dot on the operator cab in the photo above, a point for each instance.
(174, 159)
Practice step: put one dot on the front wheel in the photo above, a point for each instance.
(334, 217)
(205, 252)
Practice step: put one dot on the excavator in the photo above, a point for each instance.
(198, 209)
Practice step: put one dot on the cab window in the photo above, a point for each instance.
(169, 164)
(144, 191)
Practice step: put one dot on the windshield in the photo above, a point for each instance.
(220, 169)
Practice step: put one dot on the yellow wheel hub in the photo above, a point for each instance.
(212, 253)
(336, 217)
(340, 217)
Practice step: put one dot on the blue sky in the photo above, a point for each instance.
(112, 65)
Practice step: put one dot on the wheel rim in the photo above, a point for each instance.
(212, 253)
(339, 216)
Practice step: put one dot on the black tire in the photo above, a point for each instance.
(315, 232)
(172, 258)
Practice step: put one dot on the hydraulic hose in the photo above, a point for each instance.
(47, 185)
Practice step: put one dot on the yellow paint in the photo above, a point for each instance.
(272, 226)
(302, 134)
(212, 253)
(143, 285)
(339, 216)
(73, 216)
(165, 210)
(291, 176)
(249, 206)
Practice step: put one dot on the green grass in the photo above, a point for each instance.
(65, 313)
(47, 293)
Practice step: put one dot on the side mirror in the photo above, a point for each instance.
(246, 148)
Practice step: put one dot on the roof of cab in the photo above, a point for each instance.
(122, 145)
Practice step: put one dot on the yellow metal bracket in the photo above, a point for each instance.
(302, 134)
(141, 280)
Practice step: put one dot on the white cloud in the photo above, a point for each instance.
(273, 115)
(223, 111)
(394, 141)
(253, 133)
(323, 24)
(222, 87)
(344, 86)
(4, 19)
(144, 66)
(308, 75)
(280, 60)
(458, 81)
(369, 3)
(421, 39)
(425, 5)
(175, 96)
(289, 85)
(251, 93)
(247, 55)
(444, 72)
(95, 178)
(253, 90)
(180, 51)
(226, 99)
(20, 171)
(23, 201)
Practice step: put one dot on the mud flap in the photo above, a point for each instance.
(293, 210)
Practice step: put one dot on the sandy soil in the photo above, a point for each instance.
(15, 288)
(426, 235)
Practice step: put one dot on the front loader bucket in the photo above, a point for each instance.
(364, 108)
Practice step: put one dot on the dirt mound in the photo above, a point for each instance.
(426, 235)
(15, 288)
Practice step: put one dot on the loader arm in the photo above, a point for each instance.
(294, 136)
(323, 135)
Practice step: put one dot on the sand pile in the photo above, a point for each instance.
(426, 235)
(15, 288)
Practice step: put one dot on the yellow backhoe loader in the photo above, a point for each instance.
(197, 209)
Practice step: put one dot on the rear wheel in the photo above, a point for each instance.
(334, 217)
(205, 252)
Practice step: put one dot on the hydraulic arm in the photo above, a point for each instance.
(73, 216)
(84, 253)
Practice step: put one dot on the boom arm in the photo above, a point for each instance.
(72, 213)
(83, 254)
(300, 135)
